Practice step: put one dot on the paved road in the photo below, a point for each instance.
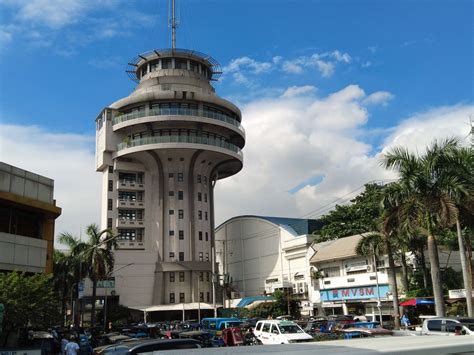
(417, 345)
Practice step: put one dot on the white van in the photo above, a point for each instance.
(280, 332)
(446, 326)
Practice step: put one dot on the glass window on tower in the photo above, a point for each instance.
(171, 255)
(181, 297)
(166, 63)
(200, 256)
(199, 179)
(208, 297)
(180, 195)
(180, 177)
(199, 196)
(205, 197)
(172, 297)
(181, 235)
(201, 276)
(207, 237)
(207, 256)
(181, 214)
(172, 276)
(181, 276)
(201, 296)
(200, 235)
(181, 256)
(199, 214)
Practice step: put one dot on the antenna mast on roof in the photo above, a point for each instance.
(173, 24)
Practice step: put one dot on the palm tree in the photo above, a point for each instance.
(73, 262)
(99, 258)
(460, 162)
(376, 244)
(93, 258)
(425, 195)
(63, 278)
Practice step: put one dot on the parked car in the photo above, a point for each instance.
(364, 329)
(447, 326)
(148, 346)
(280, 332)
(214, 324)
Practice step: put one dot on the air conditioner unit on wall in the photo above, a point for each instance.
(370, 268)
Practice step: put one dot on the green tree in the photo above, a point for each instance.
(375, 245)
(64, 279)
(360, 216)
(425, 195)
(28, 301)
(94, 257)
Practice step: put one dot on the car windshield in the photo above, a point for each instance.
(233, 324)
(290, 329)
(469, 325)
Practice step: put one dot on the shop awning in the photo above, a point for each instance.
(176, 307)
(416, 302)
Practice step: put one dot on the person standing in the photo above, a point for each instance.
(405, 321)
(64, 342)
(72, 347)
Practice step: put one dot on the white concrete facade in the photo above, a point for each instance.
(263, 254)
(160, 151)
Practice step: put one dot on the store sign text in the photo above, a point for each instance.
(354, 293)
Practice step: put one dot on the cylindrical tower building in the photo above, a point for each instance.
(160, 151)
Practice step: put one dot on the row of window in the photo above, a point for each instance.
(182, 297)
(175, 63)
(181, 235)
(177, 132)
(172, 276)
(131, 234)
(181, 256)
(130, 196)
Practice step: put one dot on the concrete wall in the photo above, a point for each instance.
(22, 253)
(26, 184)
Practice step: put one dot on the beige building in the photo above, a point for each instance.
(27, 214)
(160, 151)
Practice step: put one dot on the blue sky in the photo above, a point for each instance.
(325, 87)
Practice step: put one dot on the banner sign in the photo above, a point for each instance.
(354, 293)
(459, 293)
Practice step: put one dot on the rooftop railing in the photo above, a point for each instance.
(180, 139)
(178, 112)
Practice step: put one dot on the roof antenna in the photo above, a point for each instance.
(173, 24)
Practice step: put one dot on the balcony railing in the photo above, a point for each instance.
(180, 139)
(178, 112)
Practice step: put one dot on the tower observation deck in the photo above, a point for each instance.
(160, 151)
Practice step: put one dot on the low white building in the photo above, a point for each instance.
(262, 254)
(347, 282)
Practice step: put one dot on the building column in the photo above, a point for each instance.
(48, 235)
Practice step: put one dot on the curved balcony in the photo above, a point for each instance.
(178, 112)
(180, 139)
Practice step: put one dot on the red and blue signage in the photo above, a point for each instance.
(354, 293)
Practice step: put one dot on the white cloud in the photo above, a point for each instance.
(293, 91)
(379, 98)
(293, 67)
(69, 23)
(66, 158)
(52, 13)
(289, 140)
(254, 66)
(288, 144)
(325, 63)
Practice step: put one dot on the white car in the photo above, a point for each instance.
(280, 332)
(446, 326)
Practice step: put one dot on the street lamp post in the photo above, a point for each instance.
(106, 291)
